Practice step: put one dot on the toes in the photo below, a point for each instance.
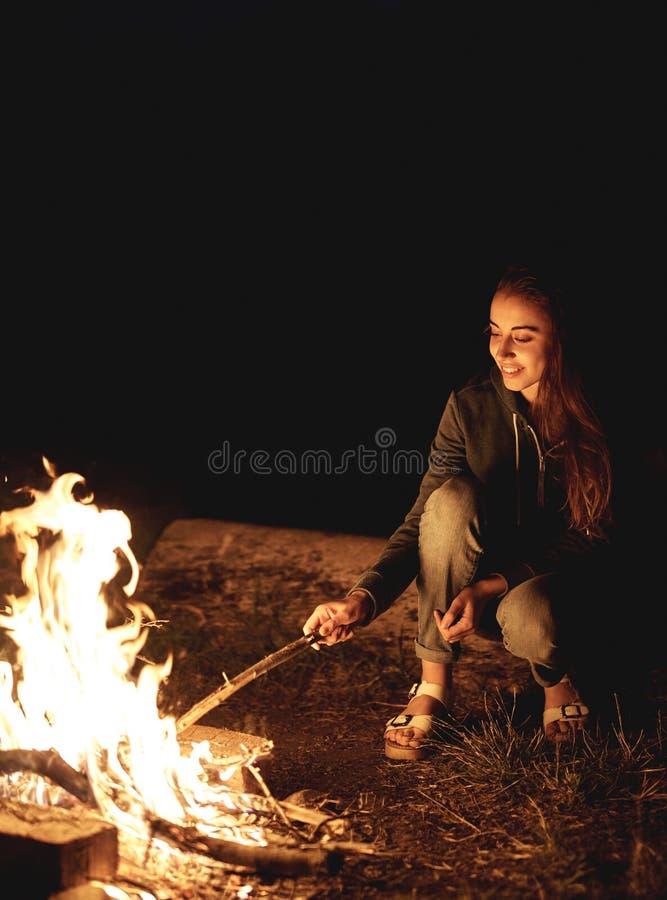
(564, 731)
(398, 737)
(404, 738)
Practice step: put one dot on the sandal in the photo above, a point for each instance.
(424, 722)
(576, 711)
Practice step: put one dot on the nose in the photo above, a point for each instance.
(506, 347)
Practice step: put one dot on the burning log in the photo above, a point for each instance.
(227, 745)
(51, 765)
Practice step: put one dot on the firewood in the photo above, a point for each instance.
(227, 744)
(275, 860)
(49, 764)
(49, 848)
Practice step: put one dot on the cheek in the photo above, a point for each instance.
(540, 363)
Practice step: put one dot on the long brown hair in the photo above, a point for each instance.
(562, 412)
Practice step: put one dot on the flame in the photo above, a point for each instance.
(77, 684)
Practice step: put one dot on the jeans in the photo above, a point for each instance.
(452, 555)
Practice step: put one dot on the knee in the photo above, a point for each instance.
(458, 499)
(526, 618)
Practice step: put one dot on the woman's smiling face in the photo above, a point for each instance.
(519, 342)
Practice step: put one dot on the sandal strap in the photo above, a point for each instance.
(405, 720)
(437, 691)
(562, 713)
(422, 721)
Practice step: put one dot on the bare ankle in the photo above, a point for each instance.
(438, 673)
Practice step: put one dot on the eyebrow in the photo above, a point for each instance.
(517, 327)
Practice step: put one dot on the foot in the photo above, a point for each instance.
(410, 734)
(565, 714)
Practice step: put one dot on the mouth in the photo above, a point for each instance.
(510, 370)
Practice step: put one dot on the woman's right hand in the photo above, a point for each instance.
(335, 621)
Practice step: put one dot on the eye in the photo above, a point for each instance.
(522, 340)
(494, 334)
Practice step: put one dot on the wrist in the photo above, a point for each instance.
(365, 606)
(496, 585)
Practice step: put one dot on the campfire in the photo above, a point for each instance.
(96, 784)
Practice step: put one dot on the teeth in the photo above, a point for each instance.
(510, 370)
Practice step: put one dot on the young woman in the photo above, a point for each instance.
(505, 535)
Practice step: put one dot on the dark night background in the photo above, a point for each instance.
(278, 225)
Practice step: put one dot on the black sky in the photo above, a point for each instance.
(279, 224)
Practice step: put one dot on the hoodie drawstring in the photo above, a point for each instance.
(540, 471)
(516, 467)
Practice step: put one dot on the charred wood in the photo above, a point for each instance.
(268, 861)
(49, 764)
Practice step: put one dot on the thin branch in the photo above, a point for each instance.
(230, 687)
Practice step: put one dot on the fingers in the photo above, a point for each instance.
(323, 620)
(459, 620)
(335, 621)
(453, 613)
(456, 630)
(334, 631)
(312, 623)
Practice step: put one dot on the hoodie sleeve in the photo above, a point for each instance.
(398, 564)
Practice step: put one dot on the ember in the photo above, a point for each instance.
(79, 718)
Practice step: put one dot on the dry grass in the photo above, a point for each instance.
(557, 822)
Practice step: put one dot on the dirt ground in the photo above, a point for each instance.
(229, 594)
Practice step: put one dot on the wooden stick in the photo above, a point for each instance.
(230, 687)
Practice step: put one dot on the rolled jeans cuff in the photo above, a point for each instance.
(449, 654)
